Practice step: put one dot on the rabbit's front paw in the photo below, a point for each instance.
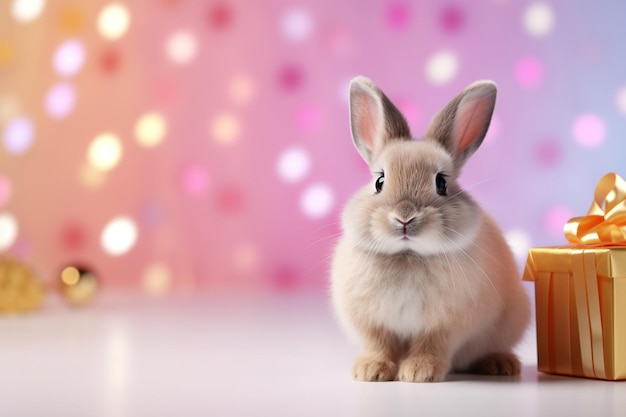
(497, 364)
(368, 368)
(423, 368)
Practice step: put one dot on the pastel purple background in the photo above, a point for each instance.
(244, 189)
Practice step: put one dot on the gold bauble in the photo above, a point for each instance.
(20, 289)
(78, 284)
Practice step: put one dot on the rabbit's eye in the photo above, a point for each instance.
(440, 184)
(380, 181)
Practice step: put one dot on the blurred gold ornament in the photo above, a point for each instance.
(78, 285)
(20, 289)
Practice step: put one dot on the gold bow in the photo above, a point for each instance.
(606, 220)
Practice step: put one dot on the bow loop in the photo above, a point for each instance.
(606, 220)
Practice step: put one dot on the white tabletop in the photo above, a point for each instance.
(275, 355)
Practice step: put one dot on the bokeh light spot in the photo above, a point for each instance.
(27, 10)
(195, 180)
(241, 89)
(548, 153)
(452, 19)
(555, 218)
(442, 67)
(317, 201)
(397, 15)
(225, 128)
(69, 58)
(7, 52)
(529, 72)
(8, 231)
(293, 165)
(60, 100)
(157, 279)
(18, 135)
(73, 236)
(297, 25)
(285, 278)
(519, 241)
(72, 19)
(290, 77)
(181, 47)
(308, 117)
(109, 61)
(150, 129)
(119, 236)
(220, 16)
(113, 21)
(589, 130)
(105, 151)
(230, 199)
(538, 19)
(6, 189)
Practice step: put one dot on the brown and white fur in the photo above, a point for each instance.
(422, 274)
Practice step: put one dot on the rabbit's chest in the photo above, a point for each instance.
(409, 302)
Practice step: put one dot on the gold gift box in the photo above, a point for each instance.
(580, 298)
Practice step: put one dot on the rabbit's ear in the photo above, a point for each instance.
(462, 125)
(374, 120)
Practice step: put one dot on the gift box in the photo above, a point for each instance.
(580, 291)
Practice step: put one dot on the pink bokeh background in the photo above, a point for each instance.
(227, 156)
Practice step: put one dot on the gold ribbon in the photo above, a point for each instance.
(606, 220)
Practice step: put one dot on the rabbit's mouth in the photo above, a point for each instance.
(405, 233)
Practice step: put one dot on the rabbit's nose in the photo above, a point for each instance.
(405, 222)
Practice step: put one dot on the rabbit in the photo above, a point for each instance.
(421, 274)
